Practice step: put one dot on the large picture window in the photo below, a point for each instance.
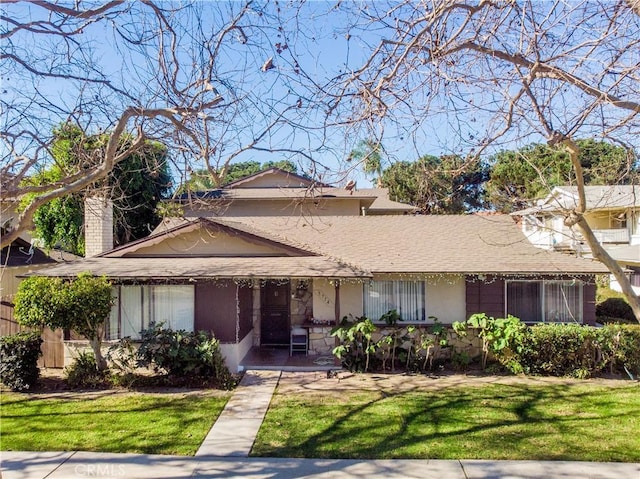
(406, 297)
(545, 301)
(137, 307)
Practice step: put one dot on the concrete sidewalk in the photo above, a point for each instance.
(68, 465)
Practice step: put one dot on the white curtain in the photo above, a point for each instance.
(407, 297)
(112, 326)
(173, 305)
(563, 301)
(131, 318)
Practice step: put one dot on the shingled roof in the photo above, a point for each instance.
(354, 246)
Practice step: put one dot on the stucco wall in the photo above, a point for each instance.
(206, 243)
(324, 300)
(446, 300)
(351, 299)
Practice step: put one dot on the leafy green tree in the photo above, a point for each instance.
(201, 180)
(136, 184)
(369, 153)
(517, 177)
(438, 185)
(81, 305)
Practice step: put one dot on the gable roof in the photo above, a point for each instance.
(352, 246)
(232, 228)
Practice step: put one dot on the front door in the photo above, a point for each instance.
(274, 323)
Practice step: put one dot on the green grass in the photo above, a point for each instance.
(583, 421)
(166, 423)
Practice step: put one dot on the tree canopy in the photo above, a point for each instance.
(517, 177)
(438, 185)
(202, 180)
(135, 185)
(81, 305)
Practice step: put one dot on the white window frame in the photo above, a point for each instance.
(543, 283)
(423, 288)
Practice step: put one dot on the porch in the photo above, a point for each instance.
(270, 358)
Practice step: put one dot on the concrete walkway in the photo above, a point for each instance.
(233, 434)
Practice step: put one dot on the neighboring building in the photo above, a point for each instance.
(612, 212)
(275, 192)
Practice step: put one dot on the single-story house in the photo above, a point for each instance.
(250, 279)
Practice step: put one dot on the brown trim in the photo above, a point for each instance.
(337, 301)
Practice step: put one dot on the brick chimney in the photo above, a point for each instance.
(98, 225)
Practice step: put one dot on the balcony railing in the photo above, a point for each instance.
(618, 235)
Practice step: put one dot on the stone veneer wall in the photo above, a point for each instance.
(301, 306)
(321, 343)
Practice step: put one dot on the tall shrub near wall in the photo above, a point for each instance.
(19, 355)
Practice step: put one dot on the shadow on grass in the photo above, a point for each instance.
(550, 422)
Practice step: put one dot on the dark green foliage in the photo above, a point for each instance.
(183, 354)
(560, 350)
(136, 184)
(84, 374)
(517, 177)
(438, 185)
(578, 351)
(19, 355)
(615, 310)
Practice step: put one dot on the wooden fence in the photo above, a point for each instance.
(52, 347)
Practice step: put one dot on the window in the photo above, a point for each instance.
(546, 301)
(406, 297)
(137, 307)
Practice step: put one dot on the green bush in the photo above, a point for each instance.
(83, 373)
(560, 350)
(620, 347)
(183, 354)
(19, 355)
(356, 348)
(615, 310)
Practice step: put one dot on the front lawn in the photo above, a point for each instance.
(149, 423)
(579, 421)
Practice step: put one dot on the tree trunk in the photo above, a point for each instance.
(576, 217)
(101, 362)
(612, 265)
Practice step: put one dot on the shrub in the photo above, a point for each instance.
(620, 347)
(19, 355)
(560, 350)
(615, 310)
(356, 346)
(83, 373)
(183, 354)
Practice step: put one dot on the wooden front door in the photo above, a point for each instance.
(274, 323)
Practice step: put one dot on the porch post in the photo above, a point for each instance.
(337, 301)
